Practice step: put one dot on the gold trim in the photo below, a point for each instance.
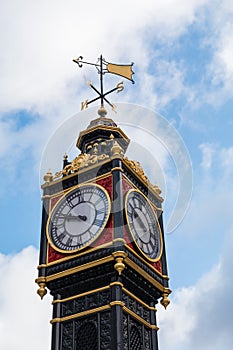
(116, 284)
(79, 268)
(146, 262)
(41, 266)
(117, 168)
(45, 196)
(139, 300)
(80, 314)
(140, 319)
(117, 302)
(105, 288)
(98, 232)
(56, 181)
(156, 219)
(99, 127)
(81, 253)
(80, 295)
(145, 275)
(103, 308)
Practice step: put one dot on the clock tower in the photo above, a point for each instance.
(102, 251)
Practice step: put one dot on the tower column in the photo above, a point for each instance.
(56, 327)
(154, 336)
(117, 204)
(116, 315)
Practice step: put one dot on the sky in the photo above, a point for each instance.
(179, 117)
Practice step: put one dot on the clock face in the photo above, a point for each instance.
(78, 218)
(143, 224)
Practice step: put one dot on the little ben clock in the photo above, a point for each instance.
(78, 218)
(143, 224)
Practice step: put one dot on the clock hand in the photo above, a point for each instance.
(137, 217)
(78, 217)
(82, 217)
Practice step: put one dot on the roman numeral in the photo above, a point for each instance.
(100, 211)
(98, 222)
(80, 197)
(61, 236)
(69, 241)
(98, 201)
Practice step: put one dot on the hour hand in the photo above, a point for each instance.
(82, 217)
(76, 217)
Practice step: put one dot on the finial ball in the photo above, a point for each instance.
(102, 111)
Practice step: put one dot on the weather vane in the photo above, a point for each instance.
(105, 67)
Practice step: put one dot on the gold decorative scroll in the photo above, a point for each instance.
(122, 70)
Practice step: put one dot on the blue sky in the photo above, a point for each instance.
(183, 62)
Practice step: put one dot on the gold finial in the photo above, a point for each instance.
(111, 137)
(42, 291)
(165, 301)
(48, 176)
(119, 266)
(119, 256)
(157, 189)
(116, 149)
(95, 150)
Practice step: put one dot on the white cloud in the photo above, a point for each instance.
(200, 316)
(208, 151)
(42, 38)
(24, 319)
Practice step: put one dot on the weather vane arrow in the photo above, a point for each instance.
(103, 67)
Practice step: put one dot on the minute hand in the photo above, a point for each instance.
(137, 217)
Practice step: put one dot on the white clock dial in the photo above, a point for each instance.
(143, 224)
(78, 218)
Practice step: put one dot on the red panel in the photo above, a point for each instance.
(125, 186)
(53, 255)
(107, 184)
(157, 265)
(54, 200)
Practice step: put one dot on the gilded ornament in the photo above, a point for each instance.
(82, 161)
(116, 149)
(119, 266)
(42, 291)
(136, 167)
(156, 189)
(119, 257)
(48, 176)
(165, 301)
